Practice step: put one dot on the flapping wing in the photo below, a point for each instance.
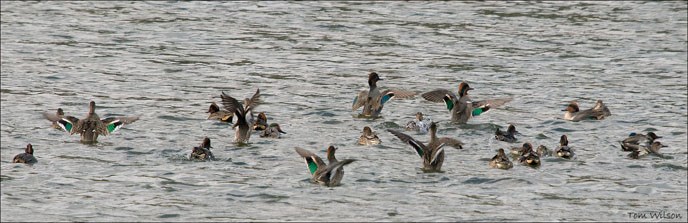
(419, 147)
(51, 116)
(438, 95)
(451, 142)
(360, 100)
(68, 124)
(113, 124)
(231, 104)
(254, 101)
(313, 162)
(493, 103)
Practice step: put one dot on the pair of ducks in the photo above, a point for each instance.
(460, 106)
(244, 117)
(641, 145)
(527, 156)
(89, 127)
(598, 112)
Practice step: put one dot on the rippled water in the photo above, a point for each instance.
(168, 61)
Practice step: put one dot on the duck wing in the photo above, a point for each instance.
(313, 162)
(253, 102)
(360, 100)
(451, 142)
(441, 95)
(115, 123)
(419, 147)
(68, 124)
(492, 103)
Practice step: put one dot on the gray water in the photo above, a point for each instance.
(168, 61)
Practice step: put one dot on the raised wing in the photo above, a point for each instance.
(115, 123)
(493, 103)
(451, 142)
(231, 104)
(441, 95)
(360, 100)
(253, 102)
(419, 147)
(313, 162)
(67, 123)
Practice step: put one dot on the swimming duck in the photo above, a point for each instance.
(91, 126)
(26, 157)
(324, 174)
(273, 131)
(372, 100)
(432, 153)
(368, 137)
(507, 136)
(202, 152)
(564, 151)
(573, 112)
(217, 114)
(501, 161)
(461, 106)
(543, 151)
(54, 117)
(529, 157)
(242, 128)
(641, 150)
(517, 151)
(419, 124)
(261, 122)
(638, 139)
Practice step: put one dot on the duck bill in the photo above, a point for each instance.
(279, 130)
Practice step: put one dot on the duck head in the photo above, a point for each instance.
(653, 136)
(433, 128)
(213, 108)
(60, 112)
(564, 141)
(277, 126)
(29, 149)
(501, 153)
(511, 129)
(92, 107)
(572, 107)
(330, 153)
(206, 143)
(419, 116)
(367, 131)
(463, 89)
(373, 78)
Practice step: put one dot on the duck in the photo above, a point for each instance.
(419, 124)
(507, 136)
(202, 152)
(373, 100)
(216, 114)
(91, 126)
(642, 150)
(461, 106)
(638, 139)
(573, 112)
(564, 151)
(543, 151)
(273, 131)
(517, 151)
(501, 161)
(368, 137)
(432, 153)
(26, 157)
(261, 122)
(528, 157)
(243, 113)
(330, 174)
(55, 117)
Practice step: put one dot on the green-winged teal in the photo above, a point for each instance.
(638, 139)
(420, 124)
(368, 137)
(501, 161)
(372, 100)
(564, 151)
(242, 112)
(639, 151)
(461, 107)
(274, 131)
(508, 136)
(261, 122)
(528, 157)
(202, 152)
(324, 174)
(573, 112)
(216, 114)
(432, 153)
(91, 126)
(26, 157)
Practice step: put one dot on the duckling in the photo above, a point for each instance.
(26, 157)
(216, 114)
(203, 152)
(564, 151)
(373, 100)
(507, 136)
(273, 131)
(501, 161)
(432, 153)
(418, 125)
(368, 137)
(329, 175)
